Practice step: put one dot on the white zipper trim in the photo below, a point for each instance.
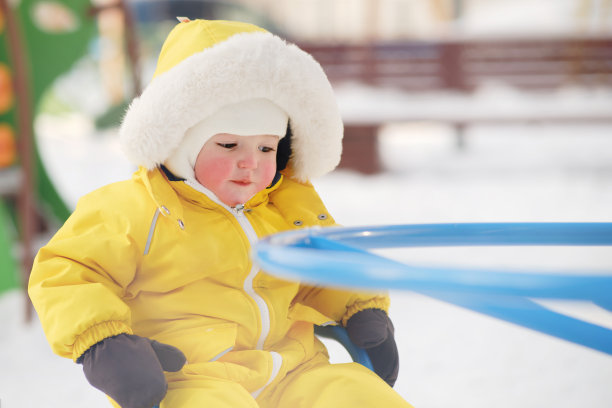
(221, 354)
(263, 308)
(277, 362)
(264, 311)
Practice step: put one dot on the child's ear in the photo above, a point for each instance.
(283, 152)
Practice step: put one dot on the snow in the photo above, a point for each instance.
(31, 375)
(491, 100)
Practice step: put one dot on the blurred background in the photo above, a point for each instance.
(454, 110)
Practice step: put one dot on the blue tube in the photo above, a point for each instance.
(339, 257)
(527, 313)
(361, 269)
(339, 334)
(466, 234)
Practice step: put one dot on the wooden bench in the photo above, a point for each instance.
(461, 67)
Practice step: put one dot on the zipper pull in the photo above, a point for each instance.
(238, 209)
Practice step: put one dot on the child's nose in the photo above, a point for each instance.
(247, 161)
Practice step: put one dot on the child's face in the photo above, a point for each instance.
(235, 167)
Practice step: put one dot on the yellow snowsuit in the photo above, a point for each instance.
(159, 259)
(155, 257)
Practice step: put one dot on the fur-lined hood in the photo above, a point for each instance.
(205, 65)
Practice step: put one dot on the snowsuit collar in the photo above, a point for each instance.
(166, 191)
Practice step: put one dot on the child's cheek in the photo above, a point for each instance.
(269, 171)
(213, 172)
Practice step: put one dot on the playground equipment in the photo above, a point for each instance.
(38, 42)
(7, 258)
(339, 257)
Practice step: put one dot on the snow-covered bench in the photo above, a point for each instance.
(463, 83)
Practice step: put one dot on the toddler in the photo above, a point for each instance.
(149, 284)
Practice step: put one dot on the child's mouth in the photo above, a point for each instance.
(241, 182)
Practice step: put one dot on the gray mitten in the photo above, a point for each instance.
(130, 369)
(372, 330)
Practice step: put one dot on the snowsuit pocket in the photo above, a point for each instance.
(302, 329)
(207, 343)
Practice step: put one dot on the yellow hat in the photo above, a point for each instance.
(191, 37)
(207, 65)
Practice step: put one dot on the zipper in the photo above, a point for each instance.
(238, 213)
(264, 311)
(277, 361)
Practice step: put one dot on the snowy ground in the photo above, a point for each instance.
(449, 356)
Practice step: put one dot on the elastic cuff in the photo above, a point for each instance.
(378, 302)
(96, 334)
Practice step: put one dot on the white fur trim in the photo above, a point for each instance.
(245, 66)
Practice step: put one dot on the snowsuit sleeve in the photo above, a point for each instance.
(80, 277)
(300, 201)
(339, 304)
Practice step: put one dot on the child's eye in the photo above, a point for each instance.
(266, 149)
(227, 145)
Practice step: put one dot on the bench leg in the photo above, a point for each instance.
(360, 149)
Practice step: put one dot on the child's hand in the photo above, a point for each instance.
(372, 330)
(130, 369)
